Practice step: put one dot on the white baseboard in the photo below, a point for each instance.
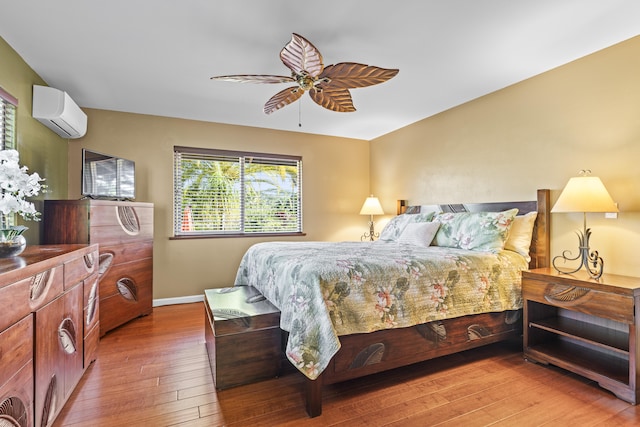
(178, 300)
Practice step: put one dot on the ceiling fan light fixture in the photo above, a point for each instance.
(327, 86)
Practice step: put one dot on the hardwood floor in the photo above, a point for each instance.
(153, 371)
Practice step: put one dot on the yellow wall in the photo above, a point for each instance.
(40, 149)
(535, 134)
(335, 184)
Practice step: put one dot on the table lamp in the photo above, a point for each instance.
(584, 194)
(371, 207)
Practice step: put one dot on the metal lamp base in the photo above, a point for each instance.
(590, 260)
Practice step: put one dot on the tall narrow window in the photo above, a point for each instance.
(220, 192)
(8, 106)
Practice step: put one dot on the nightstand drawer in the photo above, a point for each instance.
(582, 299)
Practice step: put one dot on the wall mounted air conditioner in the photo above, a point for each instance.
(56, 110)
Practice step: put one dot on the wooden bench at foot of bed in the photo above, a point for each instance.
(242, 335)
(364, 354)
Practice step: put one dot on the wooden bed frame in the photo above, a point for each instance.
(364, 354)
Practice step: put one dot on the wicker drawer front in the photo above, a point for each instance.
(16, 348)
(576, 298)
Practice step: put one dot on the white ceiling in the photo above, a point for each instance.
(156, 56)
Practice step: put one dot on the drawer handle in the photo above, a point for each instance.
(128, 220)
(39, 284)
(369, 356)
(93, 303)
(565, 294)
(67, 336)
(512, 317)
(477, 331)
(128, 289)
(433, 332)
(13, 412)
(50, 405)
(89, 261)
(104, 262)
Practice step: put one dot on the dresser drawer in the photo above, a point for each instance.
(79, 268)
(116, 310)
(111, 255)
(127, 214)
(127, 279)
(29, 294)
(582, 299)
(121, 223)
(16, 348)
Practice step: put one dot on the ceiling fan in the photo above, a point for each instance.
(327, 86)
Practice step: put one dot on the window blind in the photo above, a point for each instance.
(220, 192)
(8, 106)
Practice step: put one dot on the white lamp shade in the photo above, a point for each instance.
(585, 194)
(371, 206)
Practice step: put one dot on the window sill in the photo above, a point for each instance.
(234, 235)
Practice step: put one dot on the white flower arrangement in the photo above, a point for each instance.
(16, 184)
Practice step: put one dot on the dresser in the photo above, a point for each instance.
(586, 326)
(124, 233)
(49, 329)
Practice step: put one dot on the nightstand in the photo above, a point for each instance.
(586, 326)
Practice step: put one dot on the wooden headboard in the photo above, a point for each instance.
(540, 243)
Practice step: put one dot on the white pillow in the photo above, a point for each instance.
(392, 231)
(521, 234)
(419, 233)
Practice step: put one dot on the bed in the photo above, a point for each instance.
(441, 279)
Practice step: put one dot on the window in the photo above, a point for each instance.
(222, 193)
(8, 106)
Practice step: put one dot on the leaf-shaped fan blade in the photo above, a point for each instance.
(255, 78)
(301, 55)
(333, 99)
(282, 99)
(353, 75)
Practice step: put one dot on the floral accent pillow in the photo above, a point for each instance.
(477, 231)
(419, 233)
(392, 231)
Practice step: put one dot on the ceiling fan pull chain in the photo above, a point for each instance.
(300, 113)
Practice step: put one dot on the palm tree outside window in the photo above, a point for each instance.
(220, 193)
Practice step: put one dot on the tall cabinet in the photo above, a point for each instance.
(124, 233)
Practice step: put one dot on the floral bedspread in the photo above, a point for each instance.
(328, 289)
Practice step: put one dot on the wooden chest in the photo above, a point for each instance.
(242, 335)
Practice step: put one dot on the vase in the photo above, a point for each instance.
(12, 246)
